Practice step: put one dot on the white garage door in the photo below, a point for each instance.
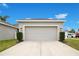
(41, 33)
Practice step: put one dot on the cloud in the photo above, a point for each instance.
(61, 16)
(4, 5)
(67, 28)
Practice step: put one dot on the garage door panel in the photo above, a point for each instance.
(41, 33)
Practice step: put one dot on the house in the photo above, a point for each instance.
(40, 29)
(7, 31)
(69, 35)
(77, 34)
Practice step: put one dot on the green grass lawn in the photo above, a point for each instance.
(73, 42)
(4, 44)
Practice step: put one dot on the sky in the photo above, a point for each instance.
(61, 11)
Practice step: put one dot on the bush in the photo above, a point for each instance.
(62, 36)
(19, 36)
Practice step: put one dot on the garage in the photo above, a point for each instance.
(40, 29)
(41, 33)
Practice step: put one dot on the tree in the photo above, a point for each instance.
(3, 18)
(72, 31)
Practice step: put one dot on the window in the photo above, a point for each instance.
(69, 34)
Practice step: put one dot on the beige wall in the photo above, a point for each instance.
(39, 23)
(23, 24)
(7, 32)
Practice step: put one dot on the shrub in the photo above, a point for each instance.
(62, 36)
(19, 36)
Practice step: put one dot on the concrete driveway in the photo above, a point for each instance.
(32, 48)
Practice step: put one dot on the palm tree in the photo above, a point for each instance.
(3, 18)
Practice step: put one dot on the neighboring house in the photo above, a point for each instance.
(69, 35)
(7, 31)
(40, 29)
(77, 34)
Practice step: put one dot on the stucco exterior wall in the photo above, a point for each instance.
(7, 32)
(22, 25)
(38, 23)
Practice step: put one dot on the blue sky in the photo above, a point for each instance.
(62, 11)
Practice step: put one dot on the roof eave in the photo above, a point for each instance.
(41, 21)
(9, 25)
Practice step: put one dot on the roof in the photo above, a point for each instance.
(7, 24)
(37, 19)
(40, 20)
